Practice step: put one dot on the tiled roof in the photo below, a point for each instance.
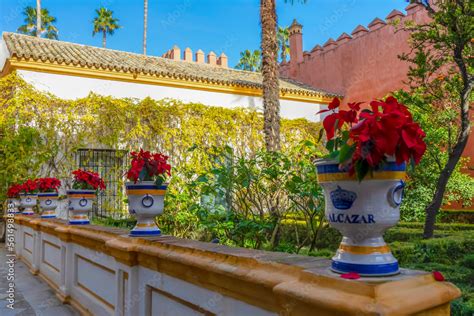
(46, 50)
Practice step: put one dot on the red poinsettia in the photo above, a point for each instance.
(146, 166)
(14, 191)
(48, 184)
(372, 135)
(29, 187)
(87, 180)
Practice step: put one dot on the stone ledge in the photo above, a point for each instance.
(279, 282)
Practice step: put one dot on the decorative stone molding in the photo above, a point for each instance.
(102, 271)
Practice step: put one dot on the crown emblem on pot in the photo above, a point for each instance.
(343, 199)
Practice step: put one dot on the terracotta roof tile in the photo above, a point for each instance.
(24, 46)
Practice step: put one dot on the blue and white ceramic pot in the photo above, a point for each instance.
(80, 204)
(28, 201)
(362, 212)
(48, 204)
(16, 204)
(145, 202)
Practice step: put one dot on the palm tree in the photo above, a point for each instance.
(104, 22)
(145, 24)
(38, 15)
(45, 25)
(250, 61)
(270, 82)
(283, 42)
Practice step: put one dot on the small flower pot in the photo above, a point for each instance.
(80, 204)
(362, 212)
(16, 204)
(145, 202)
(48, 204)
(28, 201)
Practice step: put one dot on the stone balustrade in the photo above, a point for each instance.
(102, 271)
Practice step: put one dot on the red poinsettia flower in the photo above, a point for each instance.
(14, 190)
(48, 184)
(438, 276)
(384, 130)
(146, 166)
(29, 186)
(350, 276)
(87, 180)
(332, 106)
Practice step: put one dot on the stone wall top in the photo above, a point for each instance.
(278, 282)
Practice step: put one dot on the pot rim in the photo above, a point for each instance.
(48, 194)
(144, 183)
(328, 161)
(80, 190)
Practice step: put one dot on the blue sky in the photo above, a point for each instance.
(228, 26)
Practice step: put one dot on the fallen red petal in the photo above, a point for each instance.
(350, 276)
(438, 276)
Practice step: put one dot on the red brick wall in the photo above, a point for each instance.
(363, 66)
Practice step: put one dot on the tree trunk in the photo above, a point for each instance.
(104, 38)
(454, 156)
(145, 24)
(38, 18)
(271, 90)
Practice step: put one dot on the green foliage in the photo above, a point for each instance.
(441, 79)
(250, 61)
(41, 133)
(48, 30)
(243, 200)
(438, 126)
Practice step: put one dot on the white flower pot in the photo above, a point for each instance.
(145, 202)
(28, 201)
(16, 205)
(362, 212)
(80, 204)
(48, 204)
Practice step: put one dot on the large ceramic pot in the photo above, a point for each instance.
(362, 212)
(28, 201)
(48, 204)
(16, 204)
(80, 204)
(145, 202)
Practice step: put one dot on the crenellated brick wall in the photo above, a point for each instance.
(361, 66)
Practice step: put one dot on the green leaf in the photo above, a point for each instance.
(361, 168)
(334, 154)
(330, 145)
(346, 152)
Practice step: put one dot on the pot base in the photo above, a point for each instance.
(73, 222)
(144, 233)
(375, 270)
(48, 214)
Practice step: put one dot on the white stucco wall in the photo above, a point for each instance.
(72, 87)
(4, 54)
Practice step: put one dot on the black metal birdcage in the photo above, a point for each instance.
(111, 166)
